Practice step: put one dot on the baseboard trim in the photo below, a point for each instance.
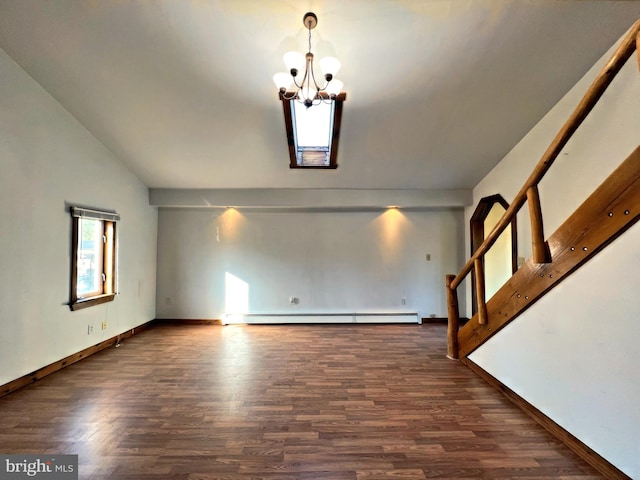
(40, 373)
(444, 320)
(187, 321)
(602, 465)
(320, 318)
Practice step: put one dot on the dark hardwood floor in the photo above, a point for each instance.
(297, 402)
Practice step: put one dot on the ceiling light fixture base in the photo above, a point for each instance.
(310, 20)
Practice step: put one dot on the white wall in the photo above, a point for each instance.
(47, 162)
(332, 261)
(572, 354)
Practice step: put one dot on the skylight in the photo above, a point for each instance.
(313, 124)
(312, 133)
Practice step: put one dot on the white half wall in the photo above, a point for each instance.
(48, 161)
(573, 354)
(213, 262)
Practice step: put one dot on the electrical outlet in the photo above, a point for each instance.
(104, 325)
(89, 329)
(428, 257)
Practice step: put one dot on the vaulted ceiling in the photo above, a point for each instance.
(438, 91)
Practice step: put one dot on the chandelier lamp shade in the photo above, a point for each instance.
(300, 83)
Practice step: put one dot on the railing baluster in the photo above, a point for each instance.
(540, 251)
(478, 267)
(454, 318)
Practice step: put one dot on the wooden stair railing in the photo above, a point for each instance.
(529, 193)
(610, 210)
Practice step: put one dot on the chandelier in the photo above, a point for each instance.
(308, 91)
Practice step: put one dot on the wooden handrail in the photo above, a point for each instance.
(638, 47)
(595, 91)
(529, 192)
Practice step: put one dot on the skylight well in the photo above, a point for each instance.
(312, 112)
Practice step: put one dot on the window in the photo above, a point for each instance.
(93, 257)
(313, 133)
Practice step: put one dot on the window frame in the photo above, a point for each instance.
(107, 262)
(289, 123)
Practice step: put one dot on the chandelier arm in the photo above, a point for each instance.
(315, 82)
(325, 85)
(299, 86)
(306, 80)
(286, 95)
(296, 83)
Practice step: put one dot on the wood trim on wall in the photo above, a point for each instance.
(607, 469)
(36, 375)
(441, 320)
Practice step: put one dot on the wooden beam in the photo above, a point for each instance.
(454, 319)
(478, 267)
(539, 248)
(288, 127)
(605, 215)
(335, 135)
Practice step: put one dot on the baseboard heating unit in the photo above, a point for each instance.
(305, 318)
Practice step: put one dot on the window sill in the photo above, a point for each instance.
(91, 301)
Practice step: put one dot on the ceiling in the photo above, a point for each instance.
(438, 91)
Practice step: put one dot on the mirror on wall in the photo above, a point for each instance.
(501, 261)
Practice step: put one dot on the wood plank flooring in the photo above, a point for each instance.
(363, 402)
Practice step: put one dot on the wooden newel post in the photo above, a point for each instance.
(478, 268)
(454, 319)
(540, 252)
